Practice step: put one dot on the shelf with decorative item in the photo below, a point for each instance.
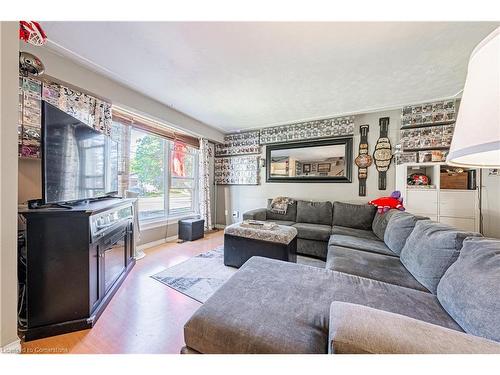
(423, 188)
(429, 113)
(426, 192)
(423, 155)
(441, 148)
(427, 125)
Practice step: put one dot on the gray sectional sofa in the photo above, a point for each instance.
(315, 222)
(405, 285)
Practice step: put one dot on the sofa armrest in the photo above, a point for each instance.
(257, 214)
(357, 329)
(188, 350)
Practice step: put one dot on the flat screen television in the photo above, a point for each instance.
(78, 162)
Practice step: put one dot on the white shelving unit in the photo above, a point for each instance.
(458, 208)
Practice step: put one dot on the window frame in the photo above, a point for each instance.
(194, 201)
(167, 180)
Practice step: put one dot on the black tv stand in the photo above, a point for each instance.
(75, 261)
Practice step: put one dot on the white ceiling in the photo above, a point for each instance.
(240, 75)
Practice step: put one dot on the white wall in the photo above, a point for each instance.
(9, 51)
(490, 204)
(243, 198)
(29, 180)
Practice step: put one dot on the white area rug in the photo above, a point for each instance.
(199, 277)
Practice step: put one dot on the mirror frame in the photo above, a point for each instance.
(325, 142)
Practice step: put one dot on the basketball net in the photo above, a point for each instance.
(31, 32)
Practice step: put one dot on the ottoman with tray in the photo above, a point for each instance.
(245, 240)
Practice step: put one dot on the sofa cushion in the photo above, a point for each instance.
(316, 232)
(270, 306)
(256, 214)
(312, 248)
(430, 249)
(283, 222)
(291, 212)
(392, 298)
(364, 244)
(373, 266)
(470, 288)
(380, 222)
(357, 329)
(399, 226)
(368, 234)
(314, 212)
(359, 216)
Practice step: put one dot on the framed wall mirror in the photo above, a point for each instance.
(327, 160)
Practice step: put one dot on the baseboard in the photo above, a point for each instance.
(12, 348)
(156, 243)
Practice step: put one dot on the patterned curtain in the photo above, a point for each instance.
(204, 183)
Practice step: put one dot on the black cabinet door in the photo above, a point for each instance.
(94, 276)
(130, 243)
(115, 259)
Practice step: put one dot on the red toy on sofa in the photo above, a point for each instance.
(384, 204)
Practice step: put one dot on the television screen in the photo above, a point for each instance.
(78, 162)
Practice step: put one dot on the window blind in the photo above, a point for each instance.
(154, 127)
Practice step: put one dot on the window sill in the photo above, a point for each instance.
(155, 223)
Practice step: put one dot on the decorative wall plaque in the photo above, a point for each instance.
(383, 153)
(30, 117)
(332, 127)
(363, 160)
(86, 108)
(237, 170)
(239, 144)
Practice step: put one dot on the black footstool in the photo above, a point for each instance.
(191, 229)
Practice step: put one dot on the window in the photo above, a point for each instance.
(162, 173)
(147, 173)
(183, 172)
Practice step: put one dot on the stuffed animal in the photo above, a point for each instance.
(384, 204)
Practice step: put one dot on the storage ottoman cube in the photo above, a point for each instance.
(191, 229)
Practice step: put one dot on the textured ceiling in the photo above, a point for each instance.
(246, 75)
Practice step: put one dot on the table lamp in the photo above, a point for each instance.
(476, 140)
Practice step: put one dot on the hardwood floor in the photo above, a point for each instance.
(144, 316)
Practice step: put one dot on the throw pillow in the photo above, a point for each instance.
(291, 212)
(314, 212)
(380, 222)
(430, 249)
(399, 226)
(470, 289)
(358, 216)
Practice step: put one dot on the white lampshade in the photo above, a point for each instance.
(476, 140)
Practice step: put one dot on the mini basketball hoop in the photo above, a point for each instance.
(31, 32)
